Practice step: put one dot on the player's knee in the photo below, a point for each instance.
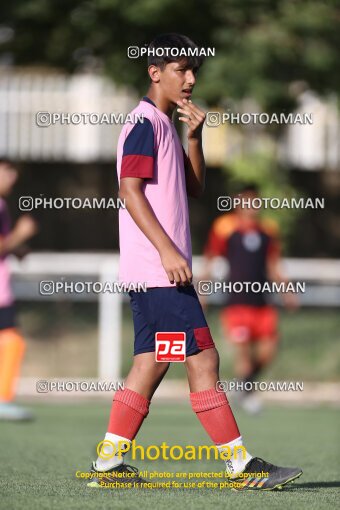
(206, 361)
(267, 354)
(161, 368)
(150, 366)
(266, 358)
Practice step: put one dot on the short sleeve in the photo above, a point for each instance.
(138, 152)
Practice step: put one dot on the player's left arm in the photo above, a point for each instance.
(276, 273)
(194, 162)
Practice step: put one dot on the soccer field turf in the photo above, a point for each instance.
(39, 459)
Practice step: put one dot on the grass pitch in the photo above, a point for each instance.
(39, 459)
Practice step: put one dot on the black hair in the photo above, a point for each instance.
(174, 41)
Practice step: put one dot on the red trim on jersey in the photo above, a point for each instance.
(137, 166)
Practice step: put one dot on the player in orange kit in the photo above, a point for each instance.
(251, 246)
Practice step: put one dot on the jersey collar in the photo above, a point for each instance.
(148, 100)
(162, 114)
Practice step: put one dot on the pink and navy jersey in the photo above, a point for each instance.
(152, 150)
(6, 297)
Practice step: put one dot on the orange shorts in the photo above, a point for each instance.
(244, 323)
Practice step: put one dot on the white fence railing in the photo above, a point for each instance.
(322, 279)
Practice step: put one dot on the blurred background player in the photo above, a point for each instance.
(251, 247)
(12, 345)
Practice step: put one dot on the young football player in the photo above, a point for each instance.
(155, 177)
(12, 344)
(251, 246)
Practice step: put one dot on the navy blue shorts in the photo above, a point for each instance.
(166, 309)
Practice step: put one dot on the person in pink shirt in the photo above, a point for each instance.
(12, 344)
(155, 177)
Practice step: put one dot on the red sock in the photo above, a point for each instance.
(127, 413)
(213, 411)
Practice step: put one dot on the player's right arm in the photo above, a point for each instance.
(23, 230)
(138, 161)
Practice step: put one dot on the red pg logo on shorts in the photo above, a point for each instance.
(170, 346)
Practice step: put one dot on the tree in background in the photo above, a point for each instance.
(261, 46)
(264, 48)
